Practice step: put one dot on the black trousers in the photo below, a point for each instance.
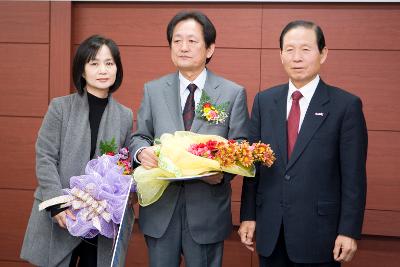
(280, 258)
(85, 254)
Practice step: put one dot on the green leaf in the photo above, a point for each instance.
(108, 146)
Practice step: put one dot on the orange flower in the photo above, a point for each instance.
(269, 157)
(231, 152)
(226, 154)
(244, 154)
(263, 153)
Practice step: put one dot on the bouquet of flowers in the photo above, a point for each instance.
(98, 198)
(189, 154)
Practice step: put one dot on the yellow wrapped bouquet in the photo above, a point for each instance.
(189, 154)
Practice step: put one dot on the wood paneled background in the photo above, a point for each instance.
(38, 39)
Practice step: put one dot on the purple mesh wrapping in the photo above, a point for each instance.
(109, 184)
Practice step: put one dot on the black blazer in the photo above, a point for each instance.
(321, 191)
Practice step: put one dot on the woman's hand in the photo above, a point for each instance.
(61, 218)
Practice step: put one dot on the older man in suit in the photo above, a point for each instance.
(191, 218)
(307, 209)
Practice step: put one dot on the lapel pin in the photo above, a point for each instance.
(319, 114)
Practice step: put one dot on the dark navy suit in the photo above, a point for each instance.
(320, 192)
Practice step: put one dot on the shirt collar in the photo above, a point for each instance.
(199, 81)
(307, 90)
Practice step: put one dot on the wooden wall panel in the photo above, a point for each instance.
(141, 64)
(381, 222)
(137, 251)
(382, 169)
(372, 75)
(345, 26)
(235, 254)
(132, 22)
(18, 137)
(24, 49)
(381, 196)
(15, 264)
(16, 207)
(60, 49)
(25, 73)
(237, 188)
(241, 66)
(254, 260)
(235, 207)
(24, 22)
(272, 72)
(376, 251)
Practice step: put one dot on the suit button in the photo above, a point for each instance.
(287, 177)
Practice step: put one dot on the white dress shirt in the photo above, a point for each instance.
(184, 91)
(307, 91)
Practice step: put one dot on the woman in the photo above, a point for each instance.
(69, 137)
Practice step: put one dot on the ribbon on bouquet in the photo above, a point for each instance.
(81, 199)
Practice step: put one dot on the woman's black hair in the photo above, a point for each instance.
(87, 51)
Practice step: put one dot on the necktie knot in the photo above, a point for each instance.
(192, 87)
(296, 95)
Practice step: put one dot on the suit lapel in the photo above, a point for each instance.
(173, 100)
(316, 113)
(279, 121)
(210, 87)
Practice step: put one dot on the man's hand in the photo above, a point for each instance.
(213, 179)
(246, 233)
(61, 218)
(148, 158)
(345, 248)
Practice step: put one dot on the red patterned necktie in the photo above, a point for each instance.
(293, 121)
(188, 110)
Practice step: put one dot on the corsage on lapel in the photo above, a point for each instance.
(210, 112)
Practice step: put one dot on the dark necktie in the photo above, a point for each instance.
(188, 110)
(293, 121)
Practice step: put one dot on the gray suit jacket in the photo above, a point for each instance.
(208, 206)
(62, 151)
